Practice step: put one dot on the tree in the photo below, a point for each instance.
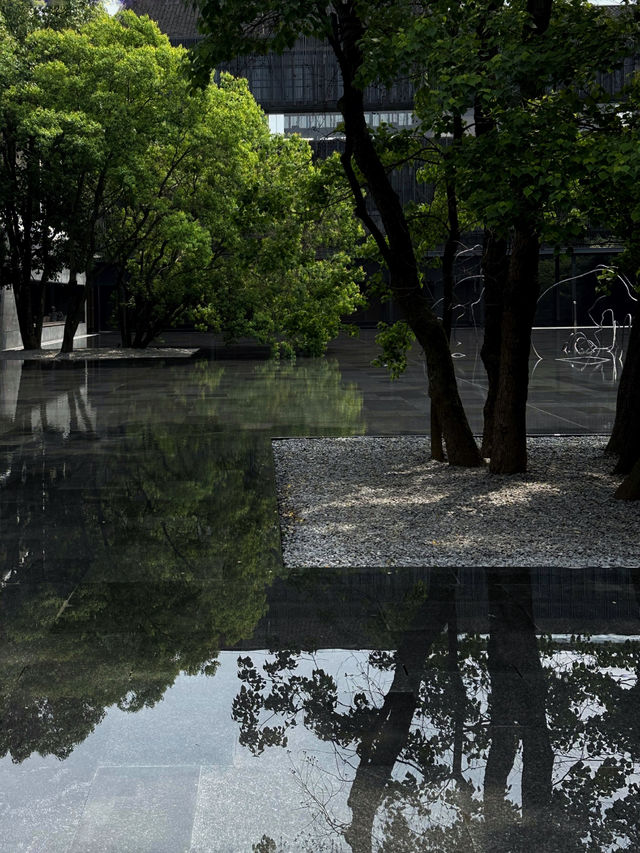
(34, 138)
(290, 274)
(354, 32)
(520, 69)
(526, 73)
(231, 228)
(610, 187)
(109, 152)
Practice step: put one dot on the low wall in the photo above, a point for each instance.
(10, 329)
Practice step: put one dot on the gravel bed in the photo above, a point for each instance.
(370, 501)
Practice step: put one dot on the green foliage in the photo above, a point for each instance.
(287, 276)
(395, 340)
(612, 173)
(232, 229)
(205, 216)
(478, 56)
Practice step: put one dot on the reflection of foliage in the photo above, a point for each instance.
(436, 778)
(303, 398)
(136, 555)
(178, 545)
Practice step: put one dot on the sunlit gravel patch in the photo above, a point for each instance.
(369, 501)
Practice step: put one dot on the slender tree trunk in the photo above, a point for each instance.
(495, 259)
(77, 295)
(451, 247)
(495, 267)
(625, 435)
(509, 444)
(40, 292)
(122, 311)
(396, 245)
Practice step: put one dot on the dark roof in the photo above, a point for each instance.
(176, 18)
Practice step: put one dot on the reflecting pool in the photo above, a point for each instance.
(168, 685)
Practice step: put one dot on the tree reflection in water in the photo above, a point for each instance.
(139, 535)
(458, 742)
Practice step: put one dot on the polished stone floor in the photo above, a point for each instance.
(167, 685)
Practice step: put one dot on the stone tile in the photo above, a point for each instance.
(224, 824)
(41, 802)
(133, 809)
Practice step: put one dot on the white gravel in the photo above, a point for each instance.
(381, 502)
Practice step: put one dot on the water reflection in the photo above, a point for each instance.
(137, 539)
(455, 741)
(140, 557)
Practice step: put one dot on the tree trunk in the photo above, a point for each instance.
(509, 443)
(76, 298)
(495, 268)
(396, 246)
(452, 243)
(448, 283)
(518, 706)
(28, 332)
(30, 328)
(387, 737)
(625, 435)
(629, 489)
(495, 259)
(122, 311)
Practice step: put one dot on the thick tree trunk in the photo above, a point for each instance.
(31, 340)
(629, 489)
(435, 436)
(29, 298)
(518, 706)
(509, 443)
(625, 435)
(504, 437)
(495, 268)
(396, 245)
(443, 388)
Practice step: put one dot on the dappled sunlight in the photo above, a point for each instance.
(353, 508)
